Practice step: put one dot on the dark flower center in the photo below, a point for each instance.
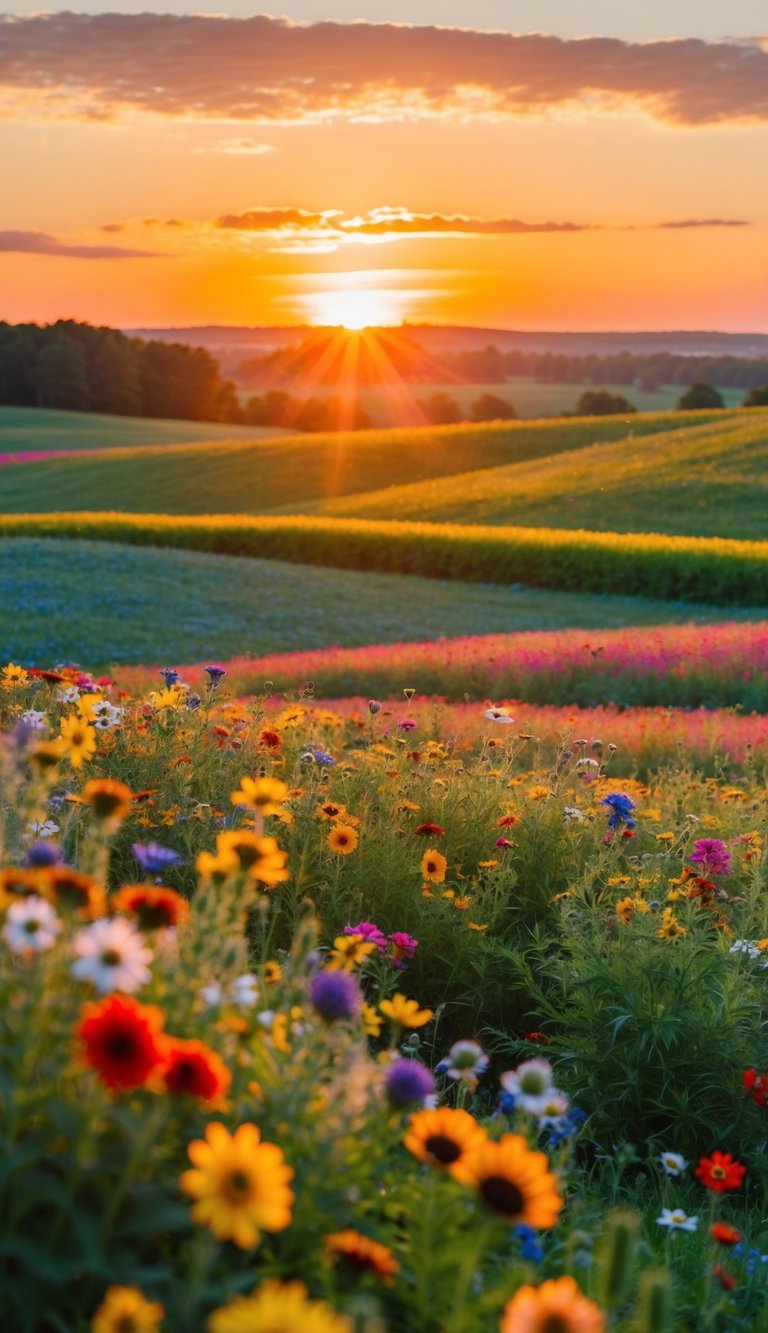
(443, 1149)
(238, 1185)
(555, 1323)
(121, 1045)
(502, 1195)
(111, 958)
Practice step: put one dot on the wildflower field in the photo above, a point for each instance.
(381, 1015)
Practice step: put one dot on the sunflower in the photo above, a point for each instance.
(362, 1253)
(272, 973)
(239, 1184)
(19, 883)
(556, 1305)
(12, 675)
(154, 906)
(349, 952)
(79, 739)
(406, 1013)
(342, 839)
(123, 1040)
(330, 810)
(277, 1307)
(126, 1310)
(72, 890)
(109, 799)
(193, 1068)
(515, 1182)
(47, 755)
(266, 795)
(445, 1138)
(261, 857)
(625, 910)
(433, 866)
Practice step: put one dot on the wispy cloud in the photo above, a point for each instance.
(40, 243)
(272, 69)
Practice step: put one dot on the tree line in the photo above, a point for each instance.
(491, 366)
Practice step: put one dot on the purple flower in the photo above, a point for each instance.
(318, 756)
(621, 807)
(335, 995)
(407, 724)
(154, 859)
(215, 673)
(712, 855)
(369, 932)
(42, 854)
(408, 1082)
(170, 675)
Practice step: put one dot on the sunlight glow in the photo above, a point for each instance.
(355, 309)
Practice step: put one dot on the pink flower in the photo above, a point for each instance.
(403, 947)
(712, 855)
(370, 932)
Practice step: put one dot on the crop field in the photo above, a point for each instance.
(292, 472)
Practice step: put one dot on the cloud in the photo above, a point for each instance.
(40, 243)
(238, 148)
(266, 69)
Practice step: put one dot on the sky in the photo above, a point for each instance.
(506, 164)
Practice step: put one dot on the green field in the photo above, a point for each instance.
(293, 473)
(101, 603)
(32, 430)
(708, 480)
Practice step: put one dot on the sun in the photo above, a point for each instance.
(355, 309)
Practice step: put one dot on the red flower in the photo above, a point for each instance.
(720, 1172)
(123, 1040)
(541, 1037)
(756, 1085)
(503, 842)
(154, 906)
(194, 1068)
(725, 1234)
(507, 821)
(428, 830)
(627, 833)
(726, 1280)
(272, 740)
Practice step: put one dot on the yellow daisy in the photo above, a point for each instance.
(239, 1184)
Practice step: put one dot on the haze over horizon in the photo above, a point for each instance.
(506, 165)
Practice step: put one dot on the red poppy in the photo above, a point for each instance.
(52, 677)
(756, 1085)
(123, 1040)
(194, 1068)
(720, 1172)
(725, 1234)
(627, 833)
(428, 830)
(726, 1280)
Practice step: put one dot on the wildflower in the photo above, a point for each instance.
(154, 906)
(530, 1246)
(277, 1307)
(508, 821)
(745, 946)
(756, 1085)
(263, 794)
(727, 1280)
(530, 1084)
(500, 715)
(621, 808)
(335, 995)
(672, 1163)
(34, 719)
(12, 675)
(215, 674)
(47, 755)
(556, 1304)
(41, 828)
(170, 675)
(625, 910)
(111, 955)
(126, 1310)
(42, 854)
(408, 1082)
(153, 859)
(464, 1063)
(317, 756)
(370, 932)
(244, 991)
(670, 929)
(403, 948)
(123, 1040)
(445, 1138)
(720, 1172)
(566, 1126)
(362, 1254)
(676, 1219)
(260, 857)
(406, 724)
(725, 1234)
(712, 856)
(405, 1013)
(572, 814)
(433, 866)
(514, 1182)
(330, 810)
(342, 839)
(193, 1068)
(74, 891)
(349, 952)
(79, 740)
(428, 830)
(272, 973)
(239, 1184)
(109, 799)
(31, 925)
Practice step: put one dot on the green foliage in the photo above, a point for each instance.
(599, 403)
(28, 430)
(700, 397)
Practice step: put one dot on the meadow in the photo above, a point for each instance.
(26, 430)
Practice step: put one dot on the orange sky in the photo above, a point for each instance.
(181, 170)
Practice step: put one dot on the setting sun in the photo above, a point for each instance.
(355, 309)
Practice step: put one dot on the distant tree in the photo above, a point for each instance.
(114, 376)
(318, 414)
(757, 397)
(61, 376)
(598, 403)
(699, 396)
(489, 407)
(441, 409)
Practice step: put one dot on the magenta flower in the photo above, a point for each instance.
(403, 948)
(712, 856)
(370, 932)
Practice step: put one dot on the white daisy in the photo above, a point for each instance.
(37, 828)
(244, 991)
(499, 715)
(31, 923)
(34, 719)
(673, 1163)
(112, 956)
(531, 1085)
(677, 1220)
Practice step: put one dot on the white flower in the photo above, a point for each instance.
(112, 955)
(556, 1107)
(572, 812)
(531, 1085)
(41, 829)
(31, 923)
(587, 763)
(745, 946)
(673, 1163)
(465, 1062)
(499, 715)
(211, 995)
(266, 1017)
(677, 1220)
(69, 696)
(244, 991)
(106, 716)
(34, 719)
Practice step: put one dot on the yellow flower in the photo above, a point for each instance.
(539, 792)
(434, 866)
(515, 1182)
(277, 1307)
(172, 698)
(371, 1020)
(239, 1184)
(290, 717)
(342, 839)
(264, 794)
(109, 799)
(405, 1012)
(126, 1310)
(47, 755)
(445, 1138)
(260, 857)
(12, 675)
(272, 973)
(79, 740)
(330, 810)
(362, 1254)
(671, 928)
(616, 880)
(625, 910)
(665, 837)
(556, 1304)
(462, 904)
(217, 866)
(349, 951)
(474, 925)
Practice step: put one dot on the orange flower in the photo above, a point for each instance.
(193, 1068)
(556, 1304)
(342, 839)
(123, 1040)
(109, 799)
(73, 891)
(434, 866)
(362, 1253)
(515, 1182)
(155, 907)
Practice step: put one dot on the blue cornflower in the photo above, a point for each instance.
(170, 675)
(317, 756)
(409, 1082)
(621, 807)
(530, 1245)
(42, 854)
(335, 995)
(153, 858)
(507, 1102)
(193, 702)
(567, 1126)
(215, 673)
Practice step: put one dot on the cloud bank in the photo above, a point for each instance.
(275, 70)
(40, 243)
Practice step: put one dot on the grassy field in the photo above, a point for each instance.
(533, 399)
(709, 479)
(102, 603)
(292, 473)
(32, 430)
